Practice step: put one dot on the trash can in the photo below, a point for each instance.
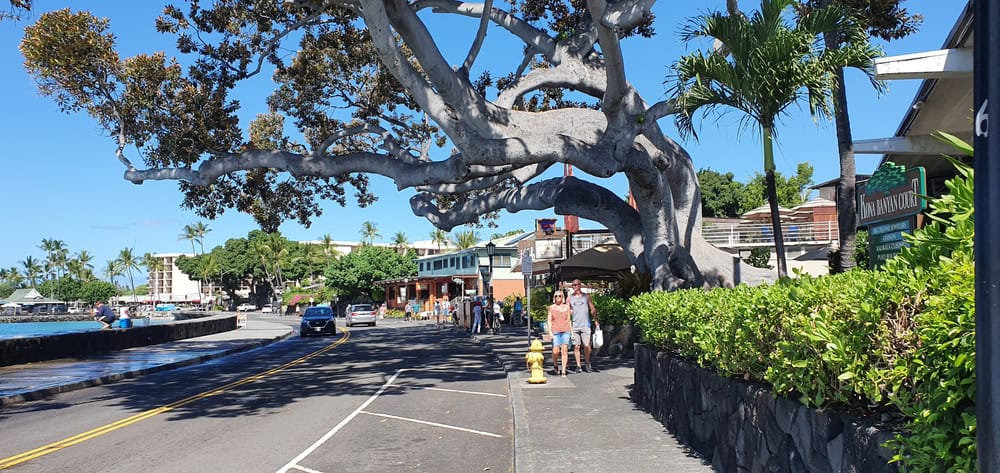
(125, 323)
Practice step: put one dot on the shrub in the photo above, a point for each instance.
(899, 340)
(610, 309)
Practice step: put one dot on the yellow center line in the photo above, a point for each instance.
(96, 432)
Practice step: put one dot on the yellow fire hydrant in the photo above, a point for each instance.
(535, 359)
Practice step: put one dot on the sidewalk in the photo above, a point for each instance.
(584, 422)
(19, 383)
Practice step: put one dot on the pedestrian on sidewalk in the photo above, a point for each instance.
(437, 313)
(583, 309)
(518, 311)
(559, 330)
(477, 317)
(407, 312)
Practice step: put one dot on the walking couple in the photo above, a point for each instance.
(569, 319)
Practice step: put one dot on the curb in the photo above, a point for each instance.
(6, 401)
(521, 435)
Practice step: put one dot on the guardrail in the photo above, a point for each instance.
(750, 235)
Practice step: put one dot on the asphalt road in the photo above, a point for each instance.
(401, 396)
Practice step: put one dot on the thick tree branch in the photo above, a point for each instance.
(624, 15)
(477, 44)
(377, 21)
(405, 174)
(531, 36)
(613, 62)
(456, 91)
(570, 74)
(567, 196)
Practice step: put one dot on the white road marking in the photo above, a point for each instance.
(307, 470)
(479, 393)
(435, 424)
(339, 426)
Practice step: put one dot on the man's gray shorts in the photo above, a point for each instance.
(580, 336)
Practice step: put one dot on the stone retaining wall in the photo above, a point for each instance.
(742, 427)
(16, 351)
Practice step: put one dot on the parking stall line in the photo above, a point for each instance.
(306, 470)
(305, 453)
(459, 391)
(435, 424)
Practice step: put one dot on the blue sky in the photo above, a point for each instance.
(61, 179)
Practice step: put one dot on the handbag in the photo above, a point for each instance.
(598, 341)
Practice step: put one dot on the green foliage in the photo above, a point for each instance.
(541, 298)
(355, 274)
(860, 254)
(759, 257)
(507, 308)
(721, 194)
(6, 289)
(611, 309)
(898, 340)
(96, 290)
(791, 190)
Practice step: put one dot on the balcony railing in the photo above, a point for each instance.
(750, 235)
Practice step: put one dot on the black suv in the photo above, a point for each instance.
(317, 321)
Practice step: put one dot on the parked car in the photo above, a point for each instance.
(42, 310)
(267, 309)
(318, 321)
(246, 308)
(361, 314)
(74, 310)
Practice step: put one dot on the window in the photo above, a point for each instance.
(438, 264)
(421, 265)
(502, 261)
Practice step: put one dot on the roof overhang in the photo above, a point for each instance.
(940, 64)
(942, 103)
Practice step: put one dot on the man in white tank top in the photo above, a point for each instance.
(583, 310)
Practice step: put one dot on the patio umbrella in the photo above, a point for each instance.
(805, 210)
(764, 213)
(599, 262)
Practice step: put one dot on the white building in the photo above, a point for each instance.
(170, 284)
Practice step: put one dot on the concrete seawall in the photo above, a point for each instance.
(17, 351)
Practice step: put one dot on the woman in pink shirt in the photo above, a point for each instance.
(559, 326)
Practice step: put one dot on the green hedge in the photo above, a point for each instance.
(898, 341)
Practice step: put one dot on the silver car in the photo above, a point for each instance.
(360, 314)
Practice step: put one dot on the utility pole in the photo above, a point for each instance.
(986, 81)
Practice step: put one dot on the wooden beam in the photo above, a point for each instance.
(938, 64)
(912, 145)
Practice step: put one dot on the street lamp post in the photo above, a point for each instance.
(491, 250)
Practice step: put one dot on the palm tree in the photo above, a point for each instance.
(329, 250)
(195, 233)
(200, 230)
(84, 265)
(127, 262)
(439, 237)
(32, 270)
(765, 66)
(272, 251)
(466, 239)
(369, 232)
(401, 243)
(885, 21)
(112, 270)
(209, 269)
(14, 277)
(153, 265)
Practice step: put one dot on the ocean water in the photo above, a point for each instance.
(37, 329)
